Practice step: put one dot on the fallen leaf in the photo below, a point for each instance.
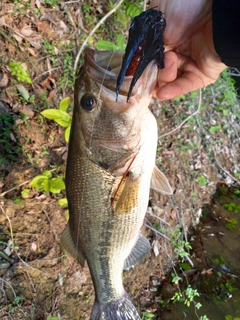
(156, 247)
(3, 80)
(31, 51)
(173, 214)
(26, 31)
(33, 246)
(2, 21)
(23, 91)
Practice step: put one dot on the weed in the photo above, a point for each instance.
(19, 72)
(147, 316)
(47, 183)
(228, 317)
(233, 207)
(180, 246)
(231, 224)
(201, 180)
(60, 116)
(8, 146)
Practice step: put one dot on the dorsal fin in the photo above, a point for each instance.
(160, 183)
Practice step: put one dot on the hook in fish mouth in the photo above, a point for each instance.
(144, 45)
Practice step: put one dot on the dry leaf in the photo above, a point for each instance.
(3, 80)
(31, 51)
(33, 246)
(2, 21)
(26, 31)
(173, 214)
(156, 247)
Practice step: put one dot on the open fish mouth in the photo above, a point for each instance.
(104, 66)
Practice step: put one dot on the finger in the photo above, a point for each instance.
(169, 72)
(189, 81)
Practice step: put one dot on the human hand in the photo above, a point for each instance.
(191, 61)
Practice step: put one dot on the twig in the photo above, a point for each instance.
(48, 71)
(3, 291)
(193, 114)
(156, 231)
(19, 185)
(145, 5)
(93, 31)
(162, 220)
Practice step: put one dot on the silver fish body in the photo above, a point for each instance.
(110, 164)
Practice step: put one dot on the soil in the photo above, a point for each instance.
(38, 279)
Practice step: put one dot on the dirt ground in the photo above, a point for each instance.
(38, 279)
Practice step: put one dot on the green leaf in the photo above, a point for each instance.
(122, 17)
(52, 114)
(52, 318)
(185, 266)
(133, 9)
(64, 104)
(63, 202)
(56, 185)
(121, 42)
(67, 134)
(105, 45)
(47, 174)
(4, 256)
(59, 116)
(46, 185)
(24, 93)
(38, 182)
(25, 193)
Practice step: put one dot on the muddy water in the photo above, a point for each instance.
(216, 259)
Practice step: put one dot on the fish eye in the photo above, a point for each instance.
(88, 102)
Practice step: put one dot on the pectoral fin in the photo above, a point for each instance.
(160, 183)
(68, 244)
(138, 253)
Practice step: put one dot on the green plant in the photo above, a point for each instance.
(231, 224)
(60, 116)
(188, 297)
(9, 148)
(201, 180)
(147, 316)
(233, 207)
(228, 317)
(213, 129)
(180, 246)
(123, 16)
(19, 72)
(47, 183)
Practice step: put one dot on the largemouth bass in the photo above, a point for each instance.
(110, 168)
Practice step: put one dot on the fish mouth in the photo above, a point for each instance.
(104, 66)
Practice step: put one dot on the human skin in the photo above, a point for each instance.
(191, 61)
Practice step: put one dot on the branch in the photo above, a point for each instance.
(193, 114)
(92, 32)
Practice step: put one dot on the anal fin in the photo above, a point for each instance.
(68, 244)
(138, 253)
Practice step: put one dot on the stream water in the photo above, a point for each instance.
(216, 258)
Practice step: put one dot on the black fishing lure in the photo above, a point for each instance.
(144, 45)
